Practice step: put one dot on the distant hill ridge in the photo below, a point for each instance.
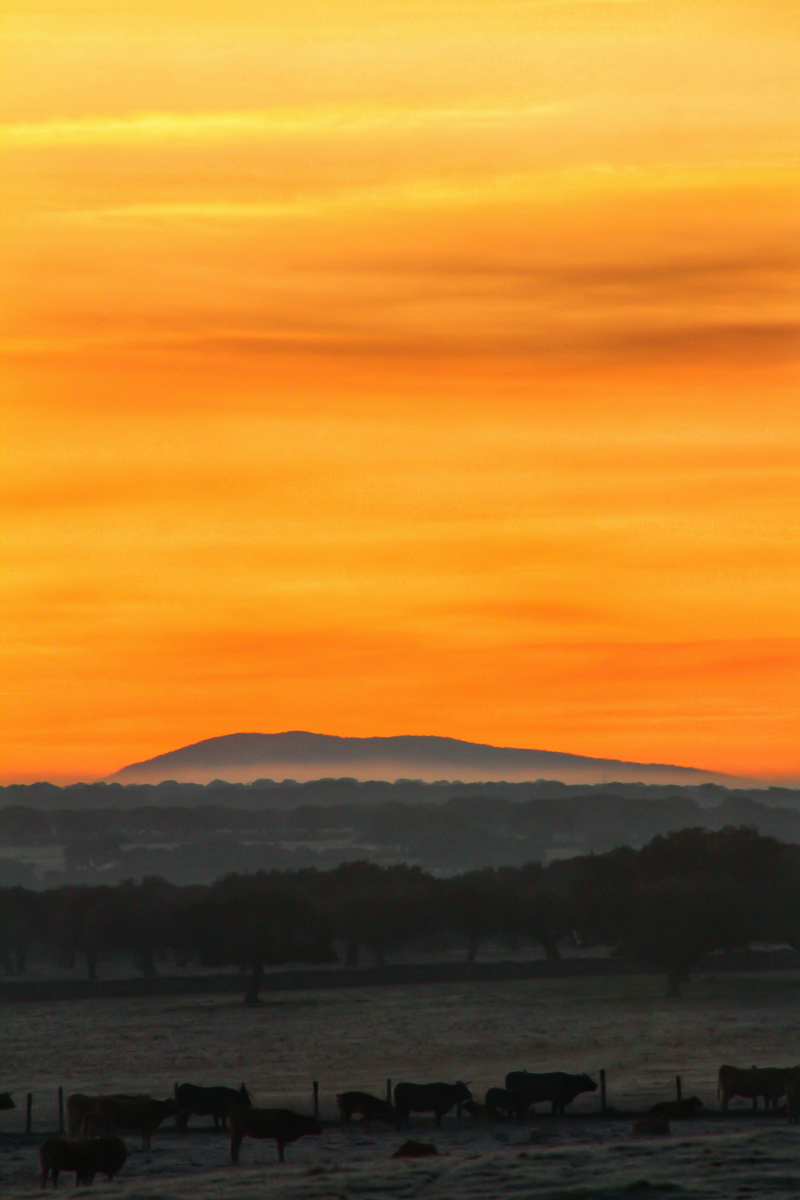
(244, 757)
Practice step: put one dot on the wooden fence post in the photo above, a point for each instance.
(60, 1110)
(678, 1086)
(316, 1098)
(29, 1113)
(602, 1090)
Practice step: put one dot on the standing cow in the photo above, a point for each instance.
(793, 1095)
(105, 1155)
(142, 1115)
(437, 1098)
(281, 1124)
(556, 1087)
(752, 1082)
(79, 1106)
(216, 1102)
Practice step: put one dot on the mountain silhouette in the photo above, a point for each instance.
(244, 757)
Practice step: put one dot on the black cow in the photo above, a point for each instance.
(556, 1087)
(437, 1098)
(216, 1102)
(281, 1124)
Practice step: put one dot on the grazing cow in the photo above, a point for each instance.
(656, 1125)
(500, 1104)
(142, 1114)
(556, 1087)
(281, 1124)
(79, 1105)
(437, 1098)
(371, 1108)
(6, 1101)
(475, 1110)
(793, 1095)
(750, 1083)
(676, 1110)
(105, 1155)
(216, 1102)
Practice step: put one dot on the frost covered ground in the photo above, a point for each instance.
(476, 1032)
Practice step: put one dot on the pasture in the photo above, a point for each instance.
(472, 1031)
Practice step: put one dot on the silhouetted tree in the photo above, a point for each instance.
(479, 904)
(148, 918)
(256, 926)
(542, 909)
(84, 920)
(20, 914)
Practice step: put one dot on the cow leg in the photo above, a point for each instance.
(281, 1145)
(438, 1117)
(55, 1169)
(45, 1173)
(236, 1141)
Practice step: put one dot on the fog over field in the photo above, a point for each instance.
(477, 1032)
(193, 833)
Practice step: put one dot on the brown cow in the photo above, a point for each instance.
(677, 1110)
(769, 1082)
(281, 1124)
(371, 1108)
(141, 1114)
(6, 1101)
(79, 1105)
(104, 1155)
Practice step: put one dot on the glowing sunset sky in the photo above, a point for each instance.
(405, 367)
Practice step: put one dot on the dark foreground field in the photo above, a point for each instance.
(472, 1031)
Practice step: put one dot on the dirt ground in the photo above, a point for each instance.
(475, 1032)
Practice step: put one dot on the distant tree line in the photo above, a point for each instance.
(199, 844)
(671, 903)
(268, 793)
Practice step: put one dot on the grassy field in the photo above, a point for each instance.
(475, 1032)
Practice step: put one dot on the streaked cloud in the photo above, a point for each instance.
(424, 365)
(320, 121)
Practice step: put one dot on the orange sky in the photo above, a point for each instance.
(409, 367)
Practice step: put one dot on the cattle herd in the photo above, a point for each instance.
(94, 1145)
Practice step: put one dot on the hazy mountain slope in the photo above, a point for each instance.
(301, 755)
